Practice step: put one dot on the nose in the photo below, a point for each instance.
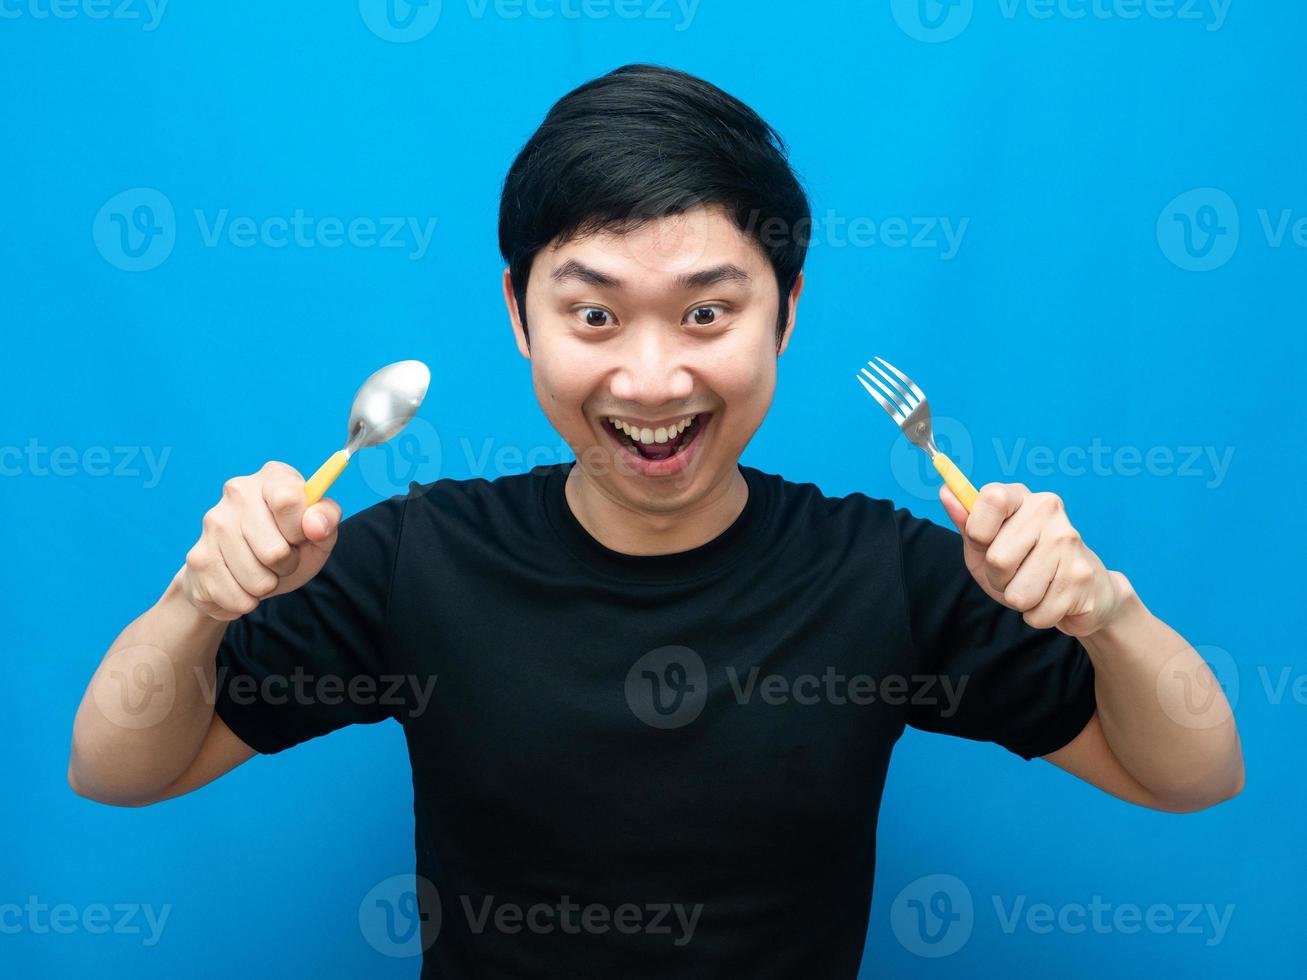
(652, 373)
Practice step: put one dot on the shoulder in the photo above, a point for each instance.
(506, 505)
(805, 502)
(857, 530)
(871, 525)
(476, 492)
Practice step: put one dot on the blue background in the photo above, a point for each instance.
(1065, 317)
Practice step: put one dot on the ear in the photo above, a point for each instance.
(510, 301)
(793, 303)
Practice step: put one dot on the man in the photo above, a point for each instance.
(650, 696)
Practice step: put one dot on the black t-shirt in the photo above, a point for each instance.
(646, 766)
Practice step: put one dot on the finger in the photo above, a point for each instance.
(953, 507)
(1011, 549)
(253, 577)
(321, 522)
(1028, 587)
(265, 541)
(283, 492)
(225, 592)
(1056, 603)
(995, 503)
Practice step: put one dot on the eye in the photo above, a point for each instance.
(706, 316)
(595, 316)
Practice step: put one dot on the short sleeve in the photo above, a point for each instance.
(1029, 690)
(311, 661)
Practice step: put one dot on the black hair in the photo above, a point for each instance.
(645, 142)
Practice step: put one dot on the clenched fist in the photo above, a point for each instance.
(259, 540)
(1021, 548)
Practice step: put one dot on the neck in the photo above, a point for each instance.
(624, 529)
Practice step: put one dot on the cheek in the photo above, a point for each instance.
(562, 384)
(743, 375)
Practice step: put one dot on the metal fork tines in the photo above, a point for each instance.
(903, 400)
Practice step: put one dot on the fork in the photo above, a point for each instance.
(907, 405)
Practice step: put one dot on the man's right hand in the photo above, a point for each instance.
(261, 539)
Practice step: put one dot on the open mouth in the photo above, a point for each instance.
(657, 444)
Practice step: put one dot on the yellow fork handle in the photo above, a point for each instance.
(326, 476)
(957, 482)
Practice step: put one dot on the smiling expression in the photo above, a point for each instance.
(653, 353)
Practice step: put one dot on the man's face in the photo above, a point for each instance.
(676, 319)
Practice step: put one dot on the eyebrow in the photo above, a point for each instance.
(574, 271)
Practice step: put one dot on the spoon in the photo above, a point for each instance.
(383, 406)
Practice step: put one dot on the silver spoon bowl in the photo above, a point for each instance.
(384, 404)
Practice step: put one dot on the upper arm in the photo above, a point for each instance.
(1088, 756)
(220, 753)
(1028, 690)
(332, 629)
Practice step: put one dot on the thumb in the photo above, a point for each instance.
(953, 507)
(320, 520)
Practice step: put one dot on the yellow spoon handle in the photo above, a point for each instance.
(326, 476)
(956, 480)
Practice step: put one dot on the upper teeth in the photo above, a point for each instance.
(660, 434)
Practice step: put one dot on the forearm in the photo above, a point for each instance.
(1165, 719)
(148, 705)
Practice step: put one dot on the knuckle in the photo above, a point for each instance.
(1018, 599)
(265, 586)
(201, 559)
(283, 497)
(279, 470)
(276, 553)
(1049, 503)
(213, 521)
(999, 561)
